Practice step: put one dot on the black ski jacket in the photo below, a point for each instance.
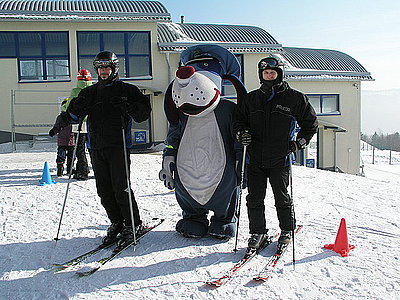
(105, 118)
(271, 121)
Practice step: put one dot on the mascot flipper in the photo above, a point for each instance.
(201, 155)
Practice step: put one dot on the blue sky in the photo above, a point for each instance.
(367, 30)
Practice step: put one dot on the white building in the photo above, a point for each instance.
(43, 44)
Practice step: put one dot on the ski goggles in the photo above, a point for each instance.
(269, 62)
(102, 64)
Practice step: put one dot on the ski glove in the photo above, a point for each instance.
(297, 145)
(244, 137)
(120, 104)
(167, 172)
(63, 120)
(52, 132)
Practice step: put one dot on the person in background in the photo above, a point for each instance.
(65, 142)
(110, 105)
(82, 168)
(265, 122)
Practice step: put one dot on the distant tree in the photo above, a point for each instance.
(383, 141)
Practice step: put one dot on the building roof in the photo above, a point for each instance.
(94, 10)
(174, 37)
(303, 63)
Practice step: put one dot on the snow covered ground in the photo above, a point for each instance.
(167, 266)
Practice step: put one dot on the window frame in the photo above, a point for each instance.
(123, 57)
(43, 58)
(321, 102)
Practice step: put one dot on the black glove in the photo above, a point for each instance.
(52, 132)
(297, 145)
(244, 137)
(120, 104)
(64, 120)
(77, 107)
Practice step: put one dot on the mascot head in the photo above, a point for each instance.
(196, 90)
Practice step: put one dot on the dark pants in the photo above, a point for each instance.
(81, 160)
(65, 152)
(257, 185)
(109, 170)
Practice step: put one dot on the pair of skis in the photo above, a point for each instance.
(101, 262)
(267, 269)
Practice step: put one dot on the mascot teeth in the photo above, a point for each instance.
(194, 93)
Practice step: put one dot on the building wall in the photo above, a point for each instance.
(42, 114)
(347, 143)
(164, 66)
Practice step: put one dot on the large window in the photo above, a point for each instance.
(325, 104)
(41, 55)
(132, 49)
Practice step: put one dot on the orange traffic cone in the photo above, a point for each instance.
(341, 245)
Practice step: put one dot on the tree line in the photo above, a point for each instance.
(383, 141)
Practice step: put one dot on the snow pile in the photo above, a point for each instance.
(167, 266)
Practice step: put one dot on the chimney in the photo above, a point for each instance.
(182, 19)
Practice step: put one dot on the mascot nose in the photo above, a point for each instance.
(185, 72)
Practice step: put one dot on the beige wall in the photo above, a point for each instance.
(347, 143)
(42, 114)
(164, 66)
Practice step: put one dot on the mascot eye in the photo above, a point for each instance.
(206, 64)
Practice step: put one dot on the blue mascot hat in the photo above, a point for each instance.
(228, 61)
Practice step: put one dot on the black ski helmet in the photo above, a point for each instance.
(272, 63)
(107, 59)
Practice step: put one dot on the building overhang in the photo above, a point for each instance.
(177, 47)
(317, 75)
(330, 126)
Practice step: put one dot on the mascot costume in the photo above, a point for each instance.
(201, 155)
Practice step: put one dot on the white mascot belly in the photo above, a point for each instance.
(201, 158)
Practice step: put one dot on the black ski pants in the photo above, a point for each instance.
(82, 166)
(110, 174)
(257, 185)
(65, 153)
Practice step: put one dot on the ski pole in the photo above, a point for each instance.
(127, 179)
(293, 212)
(69, 177)
(240, 195)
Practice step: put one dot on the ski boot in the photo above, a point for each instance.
(127, 236)
(60, 170)
(256, 241)
(112, 233)
(285, 237)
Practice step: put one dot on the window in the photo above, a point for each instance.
(132, 49)
(325, 104)
(41, 56)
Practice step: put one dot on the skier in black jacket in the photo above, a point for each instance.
(109, 105)
(265, 122)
